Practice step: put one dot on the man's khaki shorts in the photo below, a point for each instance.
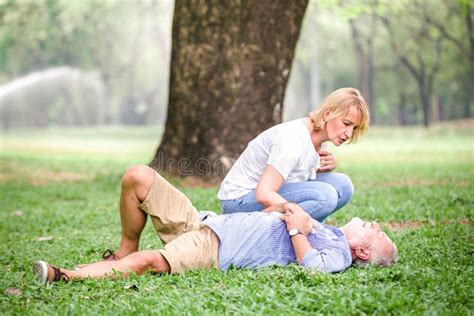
(188, 244)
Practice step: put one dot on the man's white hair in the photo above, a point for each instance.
(377, 257)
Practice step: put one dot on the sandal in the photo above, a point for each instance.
(109, 255)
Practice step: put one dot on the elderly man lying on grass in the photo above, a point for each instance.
(277, 236)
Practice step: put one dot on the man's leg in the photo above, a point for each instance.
(136, 183)
(171, 212)
(145, 192)
(196, 249)
(138, 262)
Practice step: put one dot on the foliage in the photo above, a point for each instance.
(64, 184)
(121, 41)
(127, 43)
(42, 33)
(416, 37)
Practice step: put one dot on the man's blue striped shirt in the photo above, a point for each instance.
(250, 240)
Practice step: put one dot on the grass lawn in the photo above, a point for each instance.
(59, 202)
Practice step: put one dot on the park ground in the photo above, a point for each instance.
(59, 202)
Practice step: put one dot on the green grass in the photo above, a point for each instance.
(65, 183)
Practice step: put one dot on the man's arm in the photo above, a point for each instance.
(301, 246)
(297, 219)
(330, 260)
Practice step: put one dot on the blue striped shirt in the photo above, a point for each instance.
(250, 240)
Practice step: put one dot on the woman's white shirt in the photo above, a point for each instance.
(287, 147)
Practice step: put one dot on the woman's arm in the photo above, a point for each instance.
(268, 186)
(275, 208)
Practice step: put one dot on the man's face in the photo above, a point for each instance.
(340, 129)
(368, 232)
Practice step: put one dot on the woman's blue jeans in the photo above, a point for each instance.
(319, 198)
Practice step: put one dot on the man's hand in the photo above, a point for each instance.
(328, 161)
(295, 217)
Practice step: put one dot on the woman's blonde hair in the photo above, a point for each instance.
(338, 104)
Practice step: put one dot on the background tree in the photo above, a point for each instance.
(364, 50)
(127, 45)
(122, 42)
(460, 34)
(409, 46)
(303, 91)
(229, 68)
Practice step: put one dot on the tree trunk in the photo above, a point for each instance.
(107, 117)
(363, 49)
(467, 104)
(229, 68)
(402, 109)
(436, 109)
(425, 102)
(370, 66)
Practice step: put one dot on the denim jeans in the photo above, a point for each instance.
(319, 198)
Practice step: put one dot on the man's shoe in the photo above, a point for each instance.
(47, 274)
(109, 255)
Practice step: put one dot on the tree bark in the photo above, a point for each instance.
(469, 26)
(363, 48)
(425, 103)
(402, 110)
(436, 109)
(229, 68)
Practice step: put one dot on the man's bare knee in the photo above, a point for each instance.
(159, 263)
(139, 178)
(147, 260)
(137, 174)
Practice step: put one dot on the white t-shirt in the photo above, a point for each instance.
(287, 147)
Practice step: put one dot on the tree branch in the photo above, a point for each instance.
(457, 42)
(403, 58)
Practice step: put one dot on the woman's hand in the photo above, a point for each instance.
(327, 161)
